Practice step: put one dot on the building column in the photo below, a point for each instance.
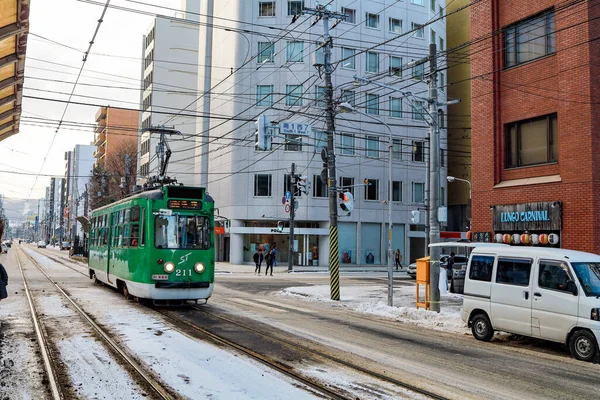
(236, 244)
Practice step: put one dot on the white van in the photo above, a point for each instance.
(551, 294)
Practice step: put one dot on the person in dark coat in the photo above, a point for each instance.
(269, 259)
(3, 282)
(258, 259)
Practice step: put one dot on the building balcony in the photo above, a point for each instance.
(100, 151)
(101, 114)
(100, 138)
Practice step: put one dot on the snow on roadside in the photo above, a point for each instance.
(372, 300)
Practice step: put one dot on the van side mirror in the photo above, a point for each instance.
(572, 287)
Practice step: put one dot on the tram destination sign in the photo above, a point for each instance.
(528, 216)
(184, 204)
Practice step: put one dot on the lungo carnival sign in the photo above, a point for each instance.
(540, 216)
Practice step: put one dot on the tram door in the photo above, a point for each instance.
(108, 250)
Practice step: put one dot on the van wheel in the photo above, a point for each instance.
(583, 345)
(482, 328)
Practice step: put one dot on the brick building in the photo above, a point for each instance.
(535, 69)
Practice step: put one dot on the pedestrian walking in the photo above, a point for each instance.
(269, 258)
(258, 259)
(274, 254)
(3, 282)
(398, 259)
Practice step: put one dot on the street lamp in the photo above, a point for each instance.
(348, 108)
(452, 179)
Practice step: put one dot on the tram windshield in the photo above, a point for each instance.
(589, 277)
(181, 232)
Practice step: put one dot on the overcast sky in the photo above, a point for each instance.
(117, 51)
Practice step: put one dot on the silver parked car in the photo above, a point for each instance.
(460, 266)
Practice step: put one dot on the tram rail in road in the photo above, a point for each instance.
(159, 389)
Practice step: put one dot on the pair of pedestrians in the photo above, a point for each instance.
(269, 258)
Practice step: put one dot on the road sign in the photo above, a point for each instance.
(294, 128)
(288, 195)
(283, 200)
(287, 208)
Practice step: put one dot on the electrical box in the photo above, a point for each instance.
(443, 214)
(423, 270)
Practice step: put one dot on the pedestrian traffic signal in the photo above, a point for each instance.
(279, 226)
(261, 135)
(347, 201)
(303, 184)
(416, 216)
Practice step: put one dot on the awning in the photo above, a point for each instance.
(14, 27)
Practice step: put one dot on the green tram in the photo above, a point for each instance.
(157, 244)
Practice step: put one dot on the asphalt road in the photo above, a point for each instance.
(455, 366)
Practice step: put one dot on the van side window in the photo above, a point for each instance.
(553, 276)
(481, 268)
(513, 271)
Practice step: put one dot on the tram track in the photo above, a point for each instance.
(323, 354)
(50, 365)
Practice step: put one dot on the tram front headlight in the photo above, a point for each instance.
(199, 267)
(169, 267)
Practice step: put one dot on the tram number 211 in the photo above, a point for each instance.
(183, 272)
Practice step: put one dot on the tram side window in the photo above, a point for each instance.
(105, 236)
(135, 214)
(120, 238)
(126, 230)
(135, 232)
(143, 224)
(127, 215)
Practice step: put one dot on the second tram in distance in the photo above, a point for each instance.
(157, 244)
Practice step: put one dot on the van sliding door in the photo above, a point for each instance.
(511, 295)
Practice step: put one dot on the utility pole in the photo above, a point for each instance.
(292, 216)
(434, 181)
(334, 272)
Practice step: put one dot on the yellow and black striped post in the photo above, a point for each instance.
(334, 263)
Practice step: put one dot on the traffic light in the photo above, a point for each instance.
(279, 226)
(347, 201)
(416, 216)
(262, 137)
(303, 184)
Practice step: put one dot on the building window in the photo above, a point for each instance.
(418, 2)
(372, 103)
(442, 196)
(396, 66)
(372, 146)
(372, 189)
(264, 95)
(350, 15)
(320, 187)
(266, 52)
(295, 51)
(372, 62)
(418, 151)
(418, 29)
(432, 37)
(262, 185)
(418, 71)
(418, 192)
(348, 58)
(293, 143)
(396, 149)
(372, 21)
(441, 44)
(418, 110)
(349, 96)
(320, 96)
(443, 158)
(347, 184)
(396, 191)
(442, 81)
(295, 7)
(441, 119)
(433, 5)
(293, 95)
(396, 107)
(531, 142)
(320, 140)
(347, 144)
(395, 25)
(530, 39)
(266, 9)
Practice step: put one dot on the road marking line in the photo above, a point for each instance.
(253, 304)
(286, 306)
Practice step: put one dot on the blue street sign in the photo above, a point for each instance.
(288, 195)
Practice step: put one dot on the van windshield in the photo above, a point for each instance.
(589, 277)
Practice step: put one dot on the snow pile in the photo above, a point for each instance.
(372, 300)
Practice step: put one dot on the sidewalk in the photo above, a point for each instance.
(226, 267)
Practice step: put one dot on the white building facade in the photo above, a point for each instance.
(79, 165)
(169, 88)
(269, 64)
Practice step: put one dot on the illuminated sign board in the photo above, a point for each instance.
(184, 204)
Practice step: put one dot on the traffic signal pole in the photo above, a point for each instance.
(334, 273)
(292, 216)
